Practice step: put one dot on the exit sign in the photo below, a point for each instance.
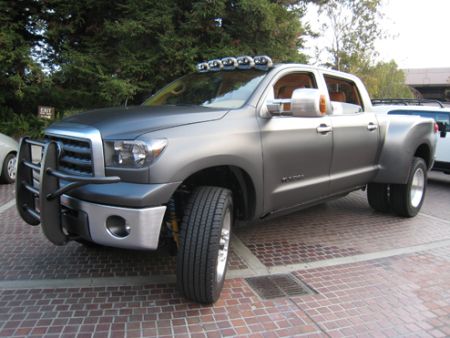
(47, 113)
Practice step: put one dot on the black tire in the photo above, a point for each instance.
(378, 196)
(7, 176)
(404, 202)
(198, 276)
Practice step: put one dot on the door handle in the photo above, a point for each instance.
(324, 129)
(372, 126)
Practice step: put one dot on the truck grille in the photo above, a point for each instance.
(76, 157)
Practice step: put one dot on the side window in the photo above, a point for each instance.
(286, 85)
(444, 119)
(344, 95)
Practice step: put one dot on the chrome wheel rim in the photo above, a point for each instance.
(417, 187)
(11, 167)
(224, 244)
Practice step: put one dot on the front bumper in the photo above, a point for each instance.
(115, 226)
(48, 200)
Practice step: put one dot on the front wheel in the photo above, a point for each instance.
(407, 199)
(204, 244)
(8, 173)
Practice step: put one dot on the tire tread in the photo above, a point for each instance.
(199, 243)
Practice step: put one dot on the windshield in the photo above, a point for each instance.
(225, 89)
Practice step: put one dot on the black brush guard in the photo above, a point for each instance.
(47, 195)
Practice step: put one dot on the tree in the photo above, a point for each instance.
(91, 53)
(385, 80)
(104, 53)
(352, 27)
(21, 77)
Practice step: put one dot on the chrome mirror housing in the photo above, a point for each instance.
(276, 107)
(305, 102)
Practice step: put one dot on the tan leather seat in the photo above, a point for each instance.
(338, 97)
(285, 92)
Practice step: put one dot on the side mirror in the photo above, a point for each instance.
(305, 102)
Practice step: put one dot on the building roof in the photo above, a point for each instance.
(427, 76)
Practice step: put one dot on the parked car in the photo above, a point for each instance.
(8, 155)
(440, 114)
(240, 140)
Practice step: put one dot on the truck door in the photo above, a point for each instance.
(355, 137)
(296, 151)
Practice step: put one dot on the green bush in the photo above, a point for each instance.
(16, 125)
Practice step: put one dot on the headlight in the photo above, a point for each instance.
(133, 154)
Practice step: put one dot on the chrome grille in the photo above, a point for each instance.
(76, 156)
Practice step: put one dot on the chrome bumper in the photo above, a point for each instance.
(120, 227)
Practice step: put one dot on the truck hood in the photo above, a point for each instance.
(131, 122)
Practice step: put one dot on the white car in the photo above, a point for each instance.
(8, 156)
(442, 117)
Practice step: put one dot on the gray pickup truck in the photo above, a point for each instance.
(239, 140)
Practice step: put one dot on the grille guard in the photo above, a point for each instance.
(47, 196)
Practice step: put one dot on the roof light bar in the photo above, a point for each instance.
(262, 62)
(203, 67)
(215, 65)
(229, 63)
(245, 62)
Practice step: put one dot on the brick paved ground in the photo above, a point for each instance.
(39, 259)
(344, 227)
(386, 297)
(7, 192)
(406, 295)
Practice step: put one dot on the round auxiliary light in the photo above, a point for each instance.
(215, 65)
(262, 62)
(203, 67)
(229, 63)
(245, 62)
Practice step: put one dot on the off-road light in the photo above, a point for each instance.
(245, 62)
(203, 67)
(262, 62)
(215, 65)
(229, 63)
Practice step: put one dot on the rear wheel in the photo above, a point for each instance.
(8, 174)
(204, 244)
(378, 196)
(407, 199)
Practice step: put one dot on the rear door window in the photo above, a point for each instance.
(344, 95)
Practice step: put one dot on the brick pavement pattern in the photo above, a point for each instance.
(382, 298)
(7, 192)
(402, 296)
(344, 227)
(39, 259)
